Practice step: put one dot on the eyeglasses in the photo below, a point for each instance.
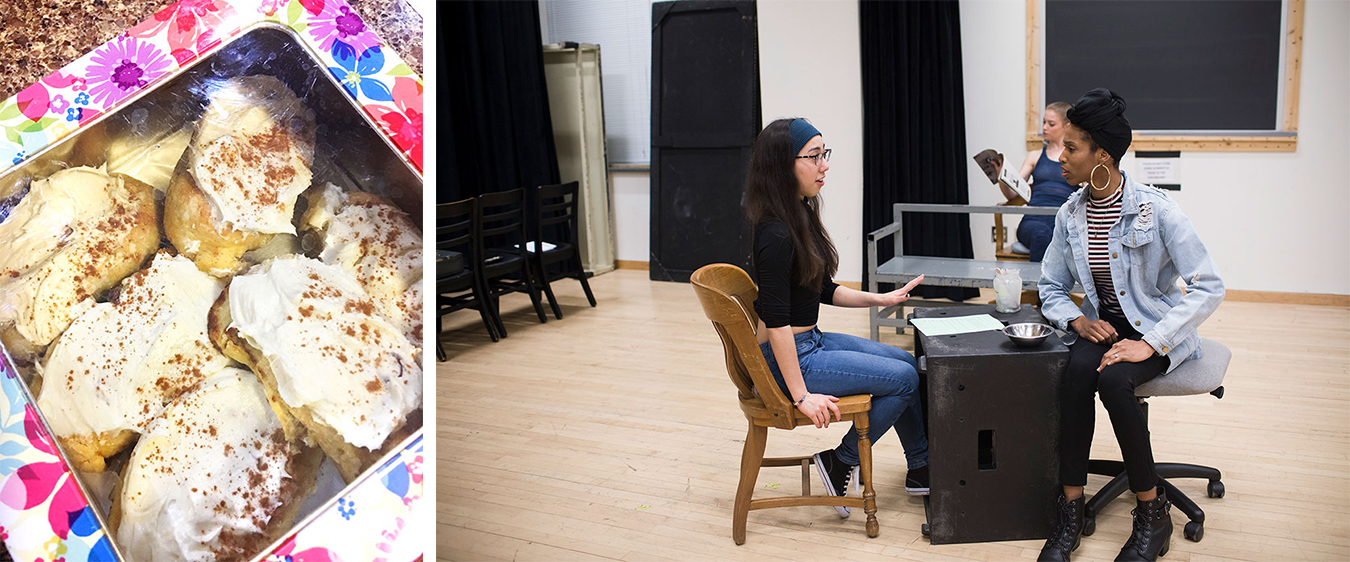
(817, 157)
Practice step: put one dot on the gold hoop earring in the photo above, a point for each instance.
(1094, 175)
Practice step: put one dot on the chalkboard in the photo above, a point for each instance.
(1181, 65)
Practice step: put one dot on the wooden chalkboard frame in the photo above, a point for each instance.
(1286, 139)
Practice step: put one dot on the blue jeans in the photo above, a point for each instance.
(843, 365)
(1035, 232)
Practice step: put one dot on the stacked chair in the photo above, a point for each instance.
(510, 241)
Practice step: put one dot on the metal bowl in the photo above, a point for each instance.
(1028, 334)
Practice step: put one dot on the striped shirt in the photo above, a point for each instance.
(1101, 216)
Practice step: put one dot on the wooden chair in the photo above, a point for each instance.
(728, 295)
(1003, 246)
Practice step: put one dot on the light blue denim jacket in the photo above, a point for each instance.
(1156, 244)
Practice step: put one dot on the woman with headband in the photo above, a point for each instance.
(794, 261)
(1127, 244)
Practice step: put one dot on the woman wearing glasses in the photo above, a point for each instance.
(794, 261)
(1127, 244)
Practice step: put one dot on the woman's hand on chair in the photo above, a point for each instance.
(818, 408)
(1096, 331)
(899, 295)
(1127, 351)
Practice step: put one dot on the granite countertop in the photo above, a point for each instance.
(40, 36)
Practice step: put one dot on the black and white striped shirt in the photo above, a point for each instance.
(1101, 216)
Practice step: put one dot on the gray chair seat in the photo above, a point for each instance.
(1195, 376)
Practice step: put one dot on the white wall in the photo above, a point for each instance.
(810, 66)
(1272, 221)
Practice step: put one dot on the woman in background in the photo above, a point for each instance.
(794, 262)
(1048, 188)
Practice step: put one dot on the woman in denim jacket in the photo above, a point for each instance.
(1127, 244)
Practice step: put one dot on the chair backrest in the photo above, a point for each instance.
(456, 224)
(556, 206)
(501, 216)
(1194, 376)
(728, 296)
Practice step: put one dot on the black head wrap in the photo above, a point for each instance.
(1101, 113)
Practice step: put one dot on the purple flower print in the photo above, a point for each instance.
(337, 22)
(58, 104)
(123, 66)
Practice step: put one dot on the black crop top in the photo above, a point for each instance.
(783, 302)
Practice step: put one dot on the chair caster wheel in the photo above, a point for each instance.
(1194, 531)
(1089, 526)
(1214, 489)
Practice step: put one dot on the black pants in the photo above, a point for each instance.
(1115, 384)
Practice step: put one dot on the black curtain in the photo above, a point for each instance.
(914, 128)
(494, 128)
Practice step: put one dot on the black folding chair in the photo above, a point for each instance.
(557, 205)
(459, 280)
(501, 217)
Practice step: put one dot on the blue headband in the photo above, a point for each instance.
(802, 133)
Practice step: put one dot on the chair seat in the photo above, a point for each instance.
(756, 412)
(448, 263)
(499, 264)
(454, 283)
(1194, 376)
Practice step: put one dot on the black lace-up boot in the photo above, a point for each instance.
(1064, 539)
(1152, 534)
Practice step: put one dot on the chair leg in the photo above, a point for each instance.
(751, 459)
(548, 291)
(860, 424)
(1106, 495)
(440, 348)
(581, 276)
(495, 311)
(534, 293)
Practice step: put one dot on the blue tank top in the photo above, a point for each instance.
(1048, 188)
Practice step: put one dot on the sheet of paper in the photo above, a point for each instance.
(1008, 177)
(956, 324)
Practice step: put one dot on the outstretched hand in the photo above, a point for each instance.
(899, 295)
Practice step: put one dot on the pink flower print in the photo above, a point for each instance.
(193, 26)
(270, 7)
(33, 101)
(415, 469)
(403, 123)
(4, 533)
(123, 66)
(58, 104)
(338, 22)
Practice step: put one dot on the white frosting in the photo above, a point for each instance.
(151, 162)
(379, 245)
(330, 350)
(48, 236)
(207, 475)
(119, 364)
(252, 153)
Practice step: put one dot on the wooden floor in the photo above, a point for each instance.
(614, 434)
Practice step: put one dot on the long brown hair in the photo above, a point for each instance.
(772, 193)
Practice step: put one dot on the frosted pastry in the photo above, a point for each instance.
(315, 339)
(213, 478)
(73, 235)
(377, 243)
(123, 361)
(246, 166)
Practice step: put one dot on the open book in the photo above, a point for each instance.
(1008, 177)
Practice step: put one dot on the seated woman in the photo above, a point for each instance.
(794, 261)
(1127, 244)
(1048, 188)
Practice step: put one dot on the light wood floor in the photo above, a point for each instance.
(614, 434)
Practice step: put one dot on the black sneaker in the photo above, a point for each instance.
(916, 482)
(836, 475)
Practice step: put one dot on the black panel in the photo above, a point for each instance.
(705, 114)
(993, 427)
(1180, 65)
